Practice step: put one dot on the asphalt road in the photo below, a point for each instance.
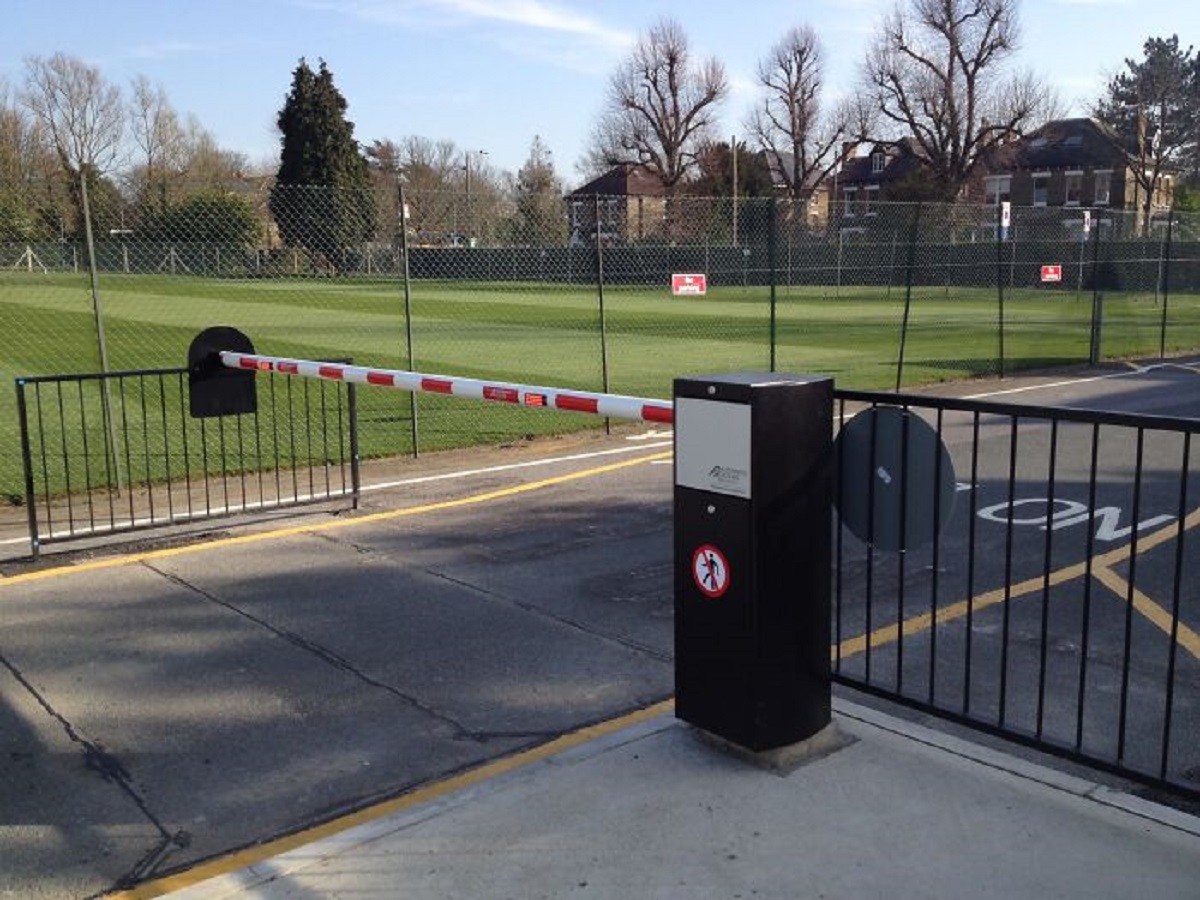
(1050, 644)
(171, 701)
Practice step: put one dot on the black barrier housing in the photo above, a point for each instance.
(754, 489)
(213, 389)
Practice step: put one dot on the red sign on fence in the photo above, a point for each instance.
(689, 285)
(1051, 273)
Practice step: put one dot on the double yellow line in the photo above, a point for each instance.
(1101, 569)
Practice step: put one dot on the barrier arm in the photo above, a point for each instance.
(617, 406)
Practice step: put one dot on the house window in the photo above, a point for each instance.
(997, 188)
(1103, 187)
(1073, 185)
(849, 196)
(878, 161)
(1041, 188)
(871, 200)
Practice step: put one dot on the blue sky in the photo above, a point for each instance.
(490, 74)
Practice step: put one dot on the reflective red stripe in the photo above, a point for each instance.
(621, 407)
(577, 404)
(658, 414)
(501, 395)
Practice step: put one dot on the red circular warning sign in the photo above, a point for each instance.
(710, 570)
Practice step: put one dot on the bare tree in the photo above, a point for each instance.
(937, 72)
(203, 162)
(81, 114)
(660, 106)
(159, 135)
(800, 139)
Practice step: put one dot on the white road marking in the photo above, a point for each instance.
(383, 485)
(1138, 370)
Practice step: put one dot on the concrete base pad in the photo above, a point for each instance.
(783, 761)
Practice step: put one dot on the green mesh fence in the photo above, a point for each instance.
(579, 295)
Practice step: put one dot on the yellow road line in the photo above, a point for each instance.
(1156, 614)
(242, 859)
(1101, 570)
(916, 624)
(256, 537)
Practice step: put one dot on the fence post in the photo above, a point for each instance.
(1097, 301)
(772, 224)
(1166, 285)
(1000, 279)
(908, 277)
(355, 469)
(600, 301)
(27, 463)
(98, 313)
(408, 332)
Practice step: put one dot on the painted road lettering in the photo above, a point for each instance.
(1065, 513)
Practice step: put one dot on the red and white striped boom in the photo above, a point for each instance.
(616, 406)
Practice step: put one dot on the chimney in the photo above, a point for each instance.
(848, 148)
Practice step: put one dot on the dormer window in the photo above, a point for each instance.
(878, 161)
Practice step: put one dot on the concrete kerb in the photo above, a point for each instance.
(376, 839)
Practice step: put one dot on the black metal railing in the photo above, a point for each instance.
(1060, 603)
(119, 452)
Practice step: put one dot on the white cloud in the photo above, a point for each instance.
(530, 16)
(536, 14)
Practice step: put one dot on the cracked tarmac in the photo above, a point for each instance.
(175, 707)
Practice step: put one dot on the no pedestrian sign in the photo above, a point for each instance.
(710, 571)
(689, 285)
(1051, 273)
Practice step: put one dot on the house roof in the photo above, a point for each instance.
(900, 161)
(1060, 144)
(627, 180)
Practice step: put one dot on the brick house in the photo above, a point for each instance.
(1067, 163)
(883, 175)
(630, 200)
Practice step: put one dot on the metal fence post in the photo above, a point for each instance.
(408, 329)
(355, 469)
(1000, 279)
(600, 303)
(1166, 285)
(1097, 301)
(27, 464)
(908, 278)
(98, 313)
(772, 224)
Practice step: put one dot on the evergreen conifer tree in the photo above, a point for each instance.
(322, 198)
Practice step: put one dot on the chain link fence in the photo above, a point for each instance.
(577, 293)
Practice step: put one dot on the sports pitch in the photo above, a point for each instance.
(556, 334)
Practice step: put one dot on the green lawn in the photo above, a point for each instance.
(551, 334)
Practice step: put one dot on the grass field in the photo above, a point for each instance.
(551, 334)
